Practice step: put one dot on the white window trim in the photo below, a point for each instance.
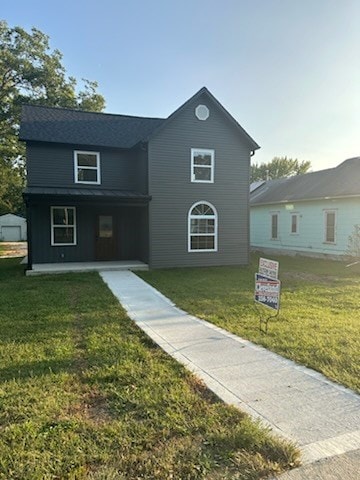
(200, 217)
(325, 225)
(205, 151)
(297, 223)
(271, 215)
(53, 244)
(97, 168)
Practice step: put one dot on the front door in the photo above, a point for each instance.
(105, 242)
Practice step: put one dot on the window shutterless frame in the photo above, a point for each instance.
(87, 168)
(196, 219)
(294, 223)
(199, 168)
(55, 225)
(274, 233)
(330, 226)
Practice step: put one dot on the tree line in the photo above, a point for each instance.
(32, 73)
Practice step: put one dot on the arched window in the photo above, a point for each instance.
(202, 228)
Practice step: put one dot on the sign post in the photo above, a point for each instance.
(267, 289)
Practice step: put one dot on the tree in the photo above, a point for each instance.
(353, 249)
(30, 72)
(279, 167)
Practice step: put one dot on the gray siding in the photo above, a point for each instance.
(130, 224)
(173, 193)
(52, 165)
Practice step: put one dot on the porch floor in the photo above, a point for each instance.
(48, 268)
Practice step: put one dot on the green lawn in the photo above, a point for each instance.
(84, 394)
(319, 320)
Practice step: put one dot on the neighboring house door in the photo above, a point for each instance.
(105, 242)
(11, 233)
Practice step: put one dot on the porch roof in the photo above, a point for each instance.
(97, 194)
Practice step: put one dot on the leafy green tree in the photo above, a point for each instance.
(30, 72)
(279, 167)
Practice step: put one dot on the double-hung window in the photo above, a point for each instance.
(294, 223)
(63, 226)
(274, 226)
(87, 167)
(330, 226)
(202, 228)
(202, 165)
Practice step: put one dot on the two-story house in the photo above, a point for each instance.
(168, 192)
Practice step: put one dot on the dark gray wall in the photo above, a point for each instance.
(130, 222)
(173, 193)
(52, 165)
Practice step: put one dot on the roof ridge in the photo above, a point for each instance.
(93, 113)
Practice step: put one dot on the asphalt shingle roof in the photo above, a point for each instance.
(341, 181)
(62, 125)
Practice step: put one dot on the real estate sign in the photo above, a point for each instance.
(268, 268)
(267, 291)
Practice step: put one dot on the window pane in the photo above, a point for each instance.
(202, 173)
(63, 216)
(105, 226)
(294, 224)
(205, 242)
(330, 227)
(86, 175)
(63, 235)
(202, 209)
(202, 159)
(202, 225)
(274, 226)
(87, 160)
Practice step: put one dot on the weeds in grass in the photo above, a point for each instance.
(84, 394)
(319, 320)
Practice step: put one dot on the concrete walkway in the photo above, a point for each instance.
(323, 418)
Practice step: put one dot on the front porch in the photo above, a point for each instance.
(67, 267)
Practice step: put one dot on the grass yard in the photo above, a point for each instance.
(319, 320)
(84, 394)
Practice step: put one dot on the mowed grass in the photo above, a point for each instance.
(84, 394)
(319, 320)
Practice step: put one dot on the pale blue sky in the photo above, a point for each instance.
(288, 71)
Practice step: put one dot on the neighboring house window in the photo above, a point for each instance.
(202, 165)
(274, 226)
(63, 226)
(202, 228)
(330, 226)
(87, 167)
(294, 223)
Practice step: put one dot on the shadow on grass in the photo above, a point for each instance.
(36, 369)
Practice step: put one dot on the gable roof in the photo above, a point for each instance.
(341, 181)
(204, 91)
(61, 125)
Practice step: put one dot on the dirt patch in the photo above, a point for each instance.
(13, 249)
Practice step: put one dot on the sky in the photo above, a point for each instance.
(287, 70)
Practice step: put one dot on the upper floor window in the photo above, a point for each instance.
(274, 226)
(202, 165)
(202, 227)
(63, 226)
(87, 167)
(330, 226)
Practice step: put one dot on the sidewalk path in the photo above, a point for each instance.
(322, 417)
